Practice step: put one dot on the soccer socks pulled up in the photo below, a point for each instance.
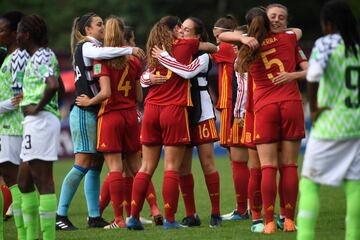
(187, 191)
(30, 210)
(281, 194)
(268, 191)
(127, 184)
(92, 191)
(140, 186)
(116, 192)
(7, 198)
(18, 216)
(352, 191)
(47, 212)
(213, 186)
(309, 205)
(290, 189)
(241, 181)
(104, 198)
(68, 189)
(254, 193)
(151, 199)
(170, 192)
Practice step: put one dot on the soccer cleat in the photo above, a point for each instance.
(280, 223)
(117, 223)
(63, 223)
(191, 221)
(269, 228)
(145, 221)
(215, 221)
(257, 226)
(158, 220)
(134, 224)
(172, 225)
(289, 225)
(97, 222)
(235, 216)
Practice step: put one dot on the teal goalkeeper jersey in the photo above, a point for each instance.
(339, 89)
(11, 79)
(42, 64)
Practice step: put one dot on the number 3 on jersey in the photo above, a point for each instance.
(124, 85)
(268, 63)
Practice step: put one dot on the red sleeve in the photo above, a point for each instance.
(100, 68)
(226, 53)
(138, 67)
(300, 55)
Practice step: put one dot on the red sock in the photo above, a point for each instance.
(140, 186)
(116, 192)
(241, 181)
(268, 191)
(254, 193)
(7, 198)
(290, 189)
(104, 194)
(213, 185)
(127, 184)
(151, 199)
(170, 191)
(187, 190)
(281, 193)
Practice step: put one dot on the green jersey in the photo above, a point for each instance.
(339, 89)
(11, 79)
(42, 64)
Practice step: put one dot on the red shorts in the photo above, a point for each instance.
(279, 121)
(236, 136)
(225, 126)
(118, 132)
(247, 137)
(204, 132)
(167, 125)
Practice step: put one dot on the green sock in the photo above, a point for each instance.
(47, 211)
(309, 205)
(18, 216)
(30, 210)
(1, 217)
(352, 191)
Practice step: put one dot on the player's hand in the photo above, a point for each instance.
(240, 122)
(15, 101)
(82, 101)
(315, 114)
(31, 109)
(156, 79)
(250, 41)
(282, 78)
(156, 51)
(138, 52)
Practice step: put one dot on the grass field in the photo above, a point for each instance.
(330, 224)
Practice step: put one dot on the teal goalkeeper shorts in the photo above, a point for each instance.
(83, 130)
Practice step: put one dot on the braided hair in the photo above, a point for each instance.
(36, 27)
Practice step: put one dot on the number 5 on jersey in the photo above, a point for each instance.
(268, 63)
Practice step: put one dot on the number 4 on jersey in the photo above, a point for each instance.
(124, 85)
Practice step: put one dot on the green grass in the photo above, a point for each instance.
(330, 224)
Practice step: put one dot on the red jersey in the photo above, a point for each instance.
(176, 90)
(225, 58)
(249, 106)
(123, 84)
(278, 54)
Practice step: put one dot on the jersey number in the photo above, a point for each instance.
(268, 63)
(77, 73)
(124, 85)
(27, 139)
(168, 74)
(203, 131)
(350, 72)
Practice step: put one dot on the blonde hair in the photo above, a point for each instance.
(114, 37)
(159, 35)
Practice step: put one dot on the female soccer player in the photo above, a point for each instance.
(87, 34)
(11, 79)
(41, 126)
(281, 103)
(332, 156)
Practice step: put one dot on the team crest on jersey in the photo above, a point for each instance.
(97, 68)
